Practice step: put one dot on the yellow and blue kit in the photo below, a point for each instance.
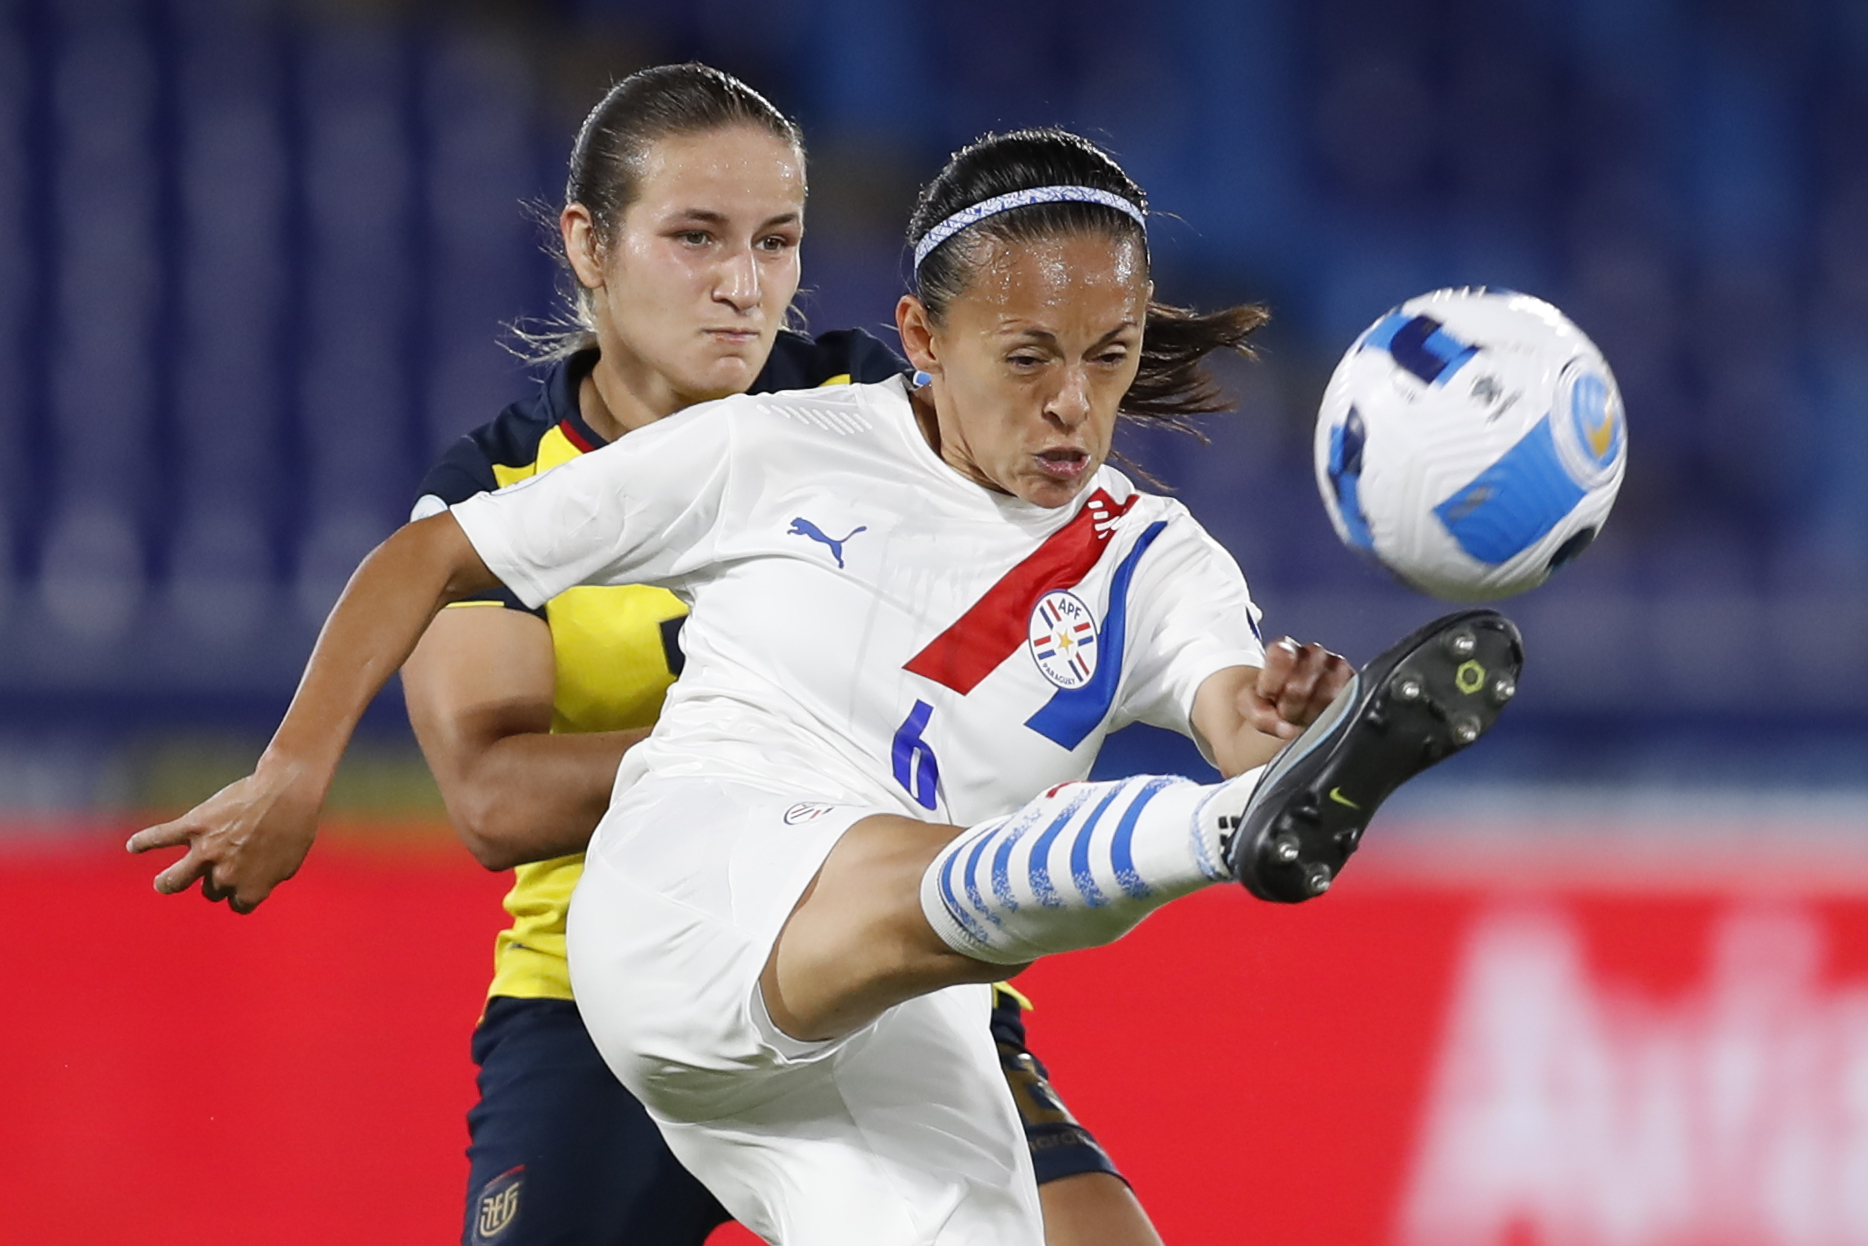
(559, 1150)
(617, 649)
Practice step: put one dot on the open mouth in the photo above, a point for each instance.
(1063, 462)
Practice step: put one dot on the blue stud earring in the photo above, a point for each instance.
(921, 378)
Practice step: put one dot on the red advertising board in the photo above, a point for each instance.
(1564, 1035)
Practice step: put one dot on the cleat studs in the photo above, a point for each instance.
(1292, 818)
(1348, 838)
(1408, 688)
(1462, 645)
(1285, 849)
(1503, 689)
(1317, 879)
(1465, 729)
(1469, 678)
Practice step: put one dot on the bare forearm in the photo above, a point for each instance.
(376, 622)
(254, 833)
(480, 690)
(1246, 748)
(1246, 714)
(534, 796)
(1235, 744)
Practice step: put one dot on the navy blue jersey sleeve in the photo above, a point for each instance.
(467, 469)
(865, 359)
(462, 472)
(842, 355)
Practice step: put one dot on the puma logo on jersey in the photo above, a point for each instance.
(805, 528)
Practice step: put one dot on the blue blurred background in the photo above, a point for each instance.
(255, 260)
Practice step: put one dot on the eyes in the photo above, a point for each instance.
(1026, 360)
(765, 244)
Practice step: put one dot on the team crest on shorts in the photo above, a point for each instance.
(1063, 639)
(498, 1205)
(806, 811)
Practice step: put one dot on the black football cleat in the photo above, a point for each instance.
(1424, 699)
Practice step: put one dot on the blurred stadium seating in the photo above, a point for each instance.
(255, 260)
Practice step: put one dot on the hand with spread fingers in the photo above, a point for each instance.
(1246, 714)
(252, 835)
(1296, 684)
(242, 841)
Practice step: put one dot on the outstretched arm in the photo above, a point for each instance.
(1246, 714)
(254, 833)
(479, 688)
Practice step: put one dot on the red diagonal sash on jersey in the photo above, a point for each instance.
(999, 622)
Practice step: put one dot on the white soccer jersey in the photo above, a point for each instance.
(868, 626)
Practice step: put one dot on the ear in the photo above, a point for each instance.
(581, 247)
(917, 329)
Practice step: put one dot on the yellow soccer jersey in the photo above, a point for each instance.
(617, 649)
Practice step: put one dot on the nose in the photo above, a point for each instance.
(736, 283)
(1069, 405)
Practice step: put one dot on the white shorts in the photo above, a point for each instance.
(902, 1133)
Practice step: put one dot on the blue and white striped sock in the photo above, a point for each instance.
(1078, 867)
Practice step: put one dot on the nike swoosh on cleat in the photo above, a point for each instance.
(1336, 794)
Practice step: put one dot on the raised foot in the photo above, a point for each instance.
(1425, 698)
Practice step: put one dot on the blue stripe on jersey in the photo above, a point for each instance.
(1072, 713)
(1121, 854)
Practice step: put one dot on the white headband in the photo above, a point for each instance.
(1022, 199)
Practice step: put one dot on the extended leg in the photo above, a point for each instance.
(901, 908)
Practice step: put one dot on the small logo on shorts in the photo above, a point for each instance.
(1063, 639)
(498, 1205)
(806, 811)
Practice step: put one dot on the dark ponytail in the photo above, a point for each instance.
(660, 102)
(1173, 382)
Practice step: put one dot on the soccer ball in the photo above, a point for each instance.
(1471, 442)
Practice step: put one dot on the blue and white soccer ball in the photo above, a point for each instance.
(1472, 442)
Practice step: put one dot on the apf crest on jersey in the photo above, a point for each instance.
(1012, 613)
(999, 623)
(1063, 639)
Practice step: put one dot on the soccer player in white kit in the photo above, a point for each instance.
(910, 609)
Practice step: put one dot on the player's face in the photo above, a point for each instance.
(694, 287)
(1032, 361)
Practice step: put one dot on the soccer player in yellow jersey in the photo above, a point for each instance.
(683, 216)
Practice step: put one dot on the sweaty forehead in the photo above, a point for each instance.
(1034, 279)
(740, 166)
